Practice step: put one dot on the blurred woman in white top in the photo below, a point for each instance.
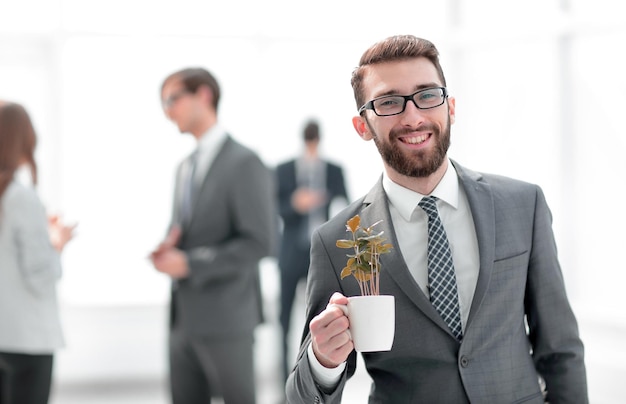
(30, 266)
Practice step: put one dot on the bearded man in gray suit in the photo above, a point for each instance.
(223, 224)
(518, 339)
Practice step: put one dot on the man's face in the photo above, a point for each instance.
(179, 105)
(413, 143)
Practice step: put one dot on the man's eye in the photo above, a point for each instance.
(427, 96)
(389, 102)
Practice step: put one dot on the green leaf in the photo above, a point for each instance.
(345, 243)
(346, 272)
(362, 276)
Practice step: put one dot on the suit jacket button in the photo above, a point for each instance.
(464, 361)
(317, 400)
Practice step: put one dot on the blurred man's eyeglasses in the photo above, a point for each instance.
(171, 100)
(396, 104)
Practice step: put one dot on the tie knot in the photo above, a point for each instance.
(429, 205)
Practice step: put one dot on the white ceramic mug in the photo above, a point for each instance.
(372, 322)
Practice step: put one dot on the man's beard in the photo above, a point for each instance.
(419, 163)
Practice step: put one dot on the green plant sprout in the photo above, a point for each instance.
(364, 264)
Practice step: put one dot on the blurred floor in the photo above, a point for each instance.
(116, 355)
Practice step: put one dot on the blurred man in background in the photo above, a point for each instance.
(223, 224)
(307, 187)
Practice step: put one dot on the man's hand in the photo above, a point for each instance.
(305, 200)
(168, 259)
(330, 335)
(169, 242)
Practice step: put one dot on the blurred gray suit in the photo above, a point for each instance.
(520, 283)
(232, 227)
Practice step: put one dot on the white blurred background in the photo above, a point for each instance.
(539, 87)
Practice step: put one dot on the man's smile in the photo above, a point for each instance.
(418, 139)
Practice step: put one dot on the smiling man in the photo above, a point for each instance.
(482, 314)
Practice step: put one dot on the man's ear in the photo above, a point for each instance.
(452, 109)
(361, 127)
(207, 95)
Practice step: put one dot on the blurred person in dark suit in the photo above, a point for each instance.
(223, 223)
(30, 267)
(307, 187)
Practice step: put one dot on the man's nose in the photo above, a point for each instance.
(412, 113)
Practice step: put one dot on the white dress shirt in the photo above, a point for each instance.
(411, 226)
(208, 146)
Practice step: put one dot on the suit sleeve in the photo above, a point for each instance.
(286, 186)
(39, 262)
(553, 330)
(337, 184)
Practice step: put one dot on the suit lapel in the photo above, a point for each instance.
(377, 208)
(482, 206)
(206, 179)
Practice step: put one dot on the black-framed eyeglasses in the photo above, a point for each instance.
(396, 104)
(171, 100)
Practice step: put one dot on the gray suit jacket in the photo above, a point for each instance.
(520, 325)
(29, 270)
(232, 228)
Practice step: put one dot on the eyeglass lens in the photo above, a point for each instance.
(169, 101)
(395, 104)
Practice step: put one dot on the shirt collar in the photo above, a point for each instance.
(405, 200)
(212, 139)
